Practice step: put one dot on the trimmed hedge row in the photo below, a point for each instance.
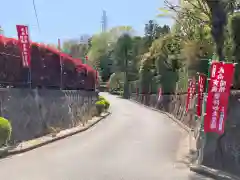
(45, 68)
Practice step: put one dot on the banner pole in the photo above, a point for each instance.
(30, 64)
(202, 135)
(30, 77)
(25, 47)
(61, 66)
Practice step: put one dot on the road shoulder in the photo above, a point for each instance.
(187, 152)
(44, 140)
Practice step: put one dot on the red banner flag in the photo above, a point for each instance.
(191, 92)
(218, 93)
(24, 44)
(201, 87)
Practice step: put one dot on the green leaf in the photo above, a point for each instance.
(165, 15)
(164, 10)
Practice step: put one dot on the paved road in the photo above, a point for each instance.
(134, 143)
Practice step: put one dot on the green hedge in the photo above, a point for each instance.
(102, 104)
(5, 131)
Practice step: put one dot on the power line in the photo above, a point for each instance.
(36, 15)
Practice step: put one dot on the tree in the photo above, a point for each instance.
(235, 41)
(189, 14)
(137, 47)
(118, 31)
(78, 50)
(89, 44)
(192, 28)
(145, 74)
(115, 81)
(53, 46)
(153, 31)
(101, 50)
(218, 22)
(122, 56)
(98, 54)
(209, 14)
(75, 48)
(231, 6)
(165, 54)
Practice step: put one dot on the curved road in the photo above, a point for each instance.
(133, 143)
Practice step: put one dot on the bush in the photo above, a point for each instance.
(107, 104)
(100, 98)
(46, 69)
(5, 131)
(102, 104)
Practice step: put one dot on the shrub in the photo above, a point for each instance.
(46, 69)
(102, 104)
(107, 104)
(5, 131)
(101, 98)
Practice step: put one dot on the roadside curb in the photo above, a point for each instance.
(213, 173)
(183, 126)
(8, 152)
(200, 169)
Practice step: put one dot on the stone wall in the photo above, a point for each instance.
(33, 113)
(223, 151)
(174, 104)
(216, 151)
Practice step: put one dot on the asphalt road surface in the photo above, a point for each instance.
(133, 143)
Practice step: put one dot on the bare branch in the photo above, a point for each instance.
(185, 12)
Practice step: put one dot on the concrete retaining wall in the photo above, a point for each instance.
(33, 113)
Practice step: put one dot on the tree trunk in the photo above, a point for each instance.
(126, 86)
(126, 83)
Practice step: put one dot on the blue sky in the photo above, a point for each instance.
(67, 19)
